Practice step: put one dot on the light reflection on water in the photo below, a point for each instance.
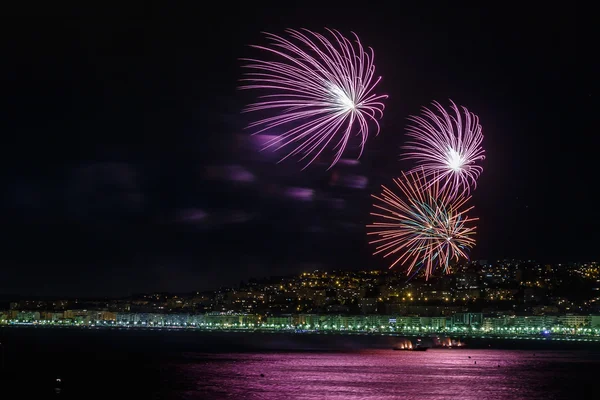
(386, 374)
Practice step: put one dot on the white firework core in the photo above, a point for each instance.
(455, 160)
(345, 103)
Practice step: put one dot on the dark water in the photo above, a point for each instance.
(184, 365)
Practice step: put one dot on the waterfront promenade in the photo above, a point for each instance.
(520, 333)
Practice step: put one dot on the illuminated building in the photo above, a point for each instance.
(574, 321)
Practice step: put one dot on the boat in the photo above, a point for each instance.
(410, 348)
(419, 346)
(407, 345)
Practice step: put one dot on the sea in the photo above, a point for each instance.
(67, 363)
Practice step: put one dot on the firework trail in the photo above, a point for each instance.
(320, 89)
(446, 146)
(424, 226)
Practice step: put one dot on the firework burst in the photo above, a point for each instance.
(320, 89)
(424, 226)
(446, 147)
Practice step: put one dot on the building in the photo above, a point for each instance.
(225, 319)
(51, 316)
(311, 320)
(408, 322)
(433, 322)
(467, 319)
(495, 322)
(101, 316)
(25, 316)
(532, 321)
(280, 320)
(574, 321)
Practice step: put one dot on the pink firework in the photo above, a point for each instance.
(447, 146)
(318, 90)
(424, 226)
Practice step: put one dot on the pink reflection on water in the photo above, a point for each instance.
(373, 375)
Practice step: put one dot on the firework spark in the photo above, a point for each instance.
(446, 146)
(319, 90)
(424, 226)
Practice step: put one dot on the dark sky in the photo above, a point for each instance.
(126, 167)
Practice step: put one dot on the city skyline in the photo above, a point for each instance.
(129, 169)
(505, 275)
(508, 300)
(504, 300)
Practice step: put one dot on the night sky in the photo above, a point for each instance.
(126, 167)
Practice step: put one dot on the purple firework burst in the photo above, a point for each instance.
(446, 146)
(318, 90)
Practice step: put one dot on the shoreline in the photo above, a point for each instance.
(187, 339)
